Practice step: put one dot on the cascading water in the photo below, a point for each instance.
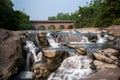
(28, 62)
(31, 49)
(51, 41)
(72, 68)
(103, 39)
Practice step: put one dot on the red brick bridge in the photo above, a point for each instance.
(52, 24)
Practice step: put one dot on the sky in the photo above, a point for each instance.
(42, 9)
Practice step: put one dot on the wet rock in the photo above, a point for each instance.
(81, 50)
(40, 70)
(107, 55)
(108, 51)
(49, 53)
(51, 61)
(11, 60)
(111, 38)
(43, 42)
(41, 34)
(102, 57)
(101, 65)
(72, 46)
(105, 74)
(117, 43)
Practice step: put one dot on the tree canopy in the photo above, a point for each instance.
(99, 13)
(11, 19)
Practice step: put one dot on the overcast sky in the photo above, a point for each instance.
(42, 9)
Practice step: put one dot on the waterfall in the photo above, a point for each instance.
(72, 68)
(102, 39)
(51, 41)
(84, 40)
(31, 48)
(28, 62)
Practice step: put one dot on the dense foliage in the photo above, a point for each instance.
(12, 20)
(99, 13)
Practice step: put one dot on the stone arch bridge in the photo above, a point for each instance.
(56, 24)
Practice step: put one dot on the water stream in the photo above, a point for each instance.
(72, 68)
(51, 40)
(31, 51)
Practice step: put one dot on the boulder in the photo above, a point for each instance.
(40, 71)
(107, 55)
(114, 30)
(49, 53)
(11, 60)
(109, 51)
(103, 58)
(51, 61)
(101, 65)
(105, 74)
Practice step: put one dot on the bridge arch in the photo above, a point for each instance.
(41, 27)
(70, 27)
(51, 27)
(61, 27)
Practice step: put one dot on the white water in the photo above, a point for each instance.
(28, 62)
(82, 40)
(72, 68)
(31, 48)
(51, 41)
(102, 39)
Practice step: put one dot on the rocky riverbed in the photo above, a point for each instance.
(103, 65)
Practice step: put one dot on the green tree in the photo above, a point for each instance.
(12, 20)
(22, 21)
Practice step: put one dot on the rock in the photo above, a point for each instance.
(111, 38)
(113, 58)
(106, 55)
(101, 65)
(71, 46)
(41, 34)
(51, 61)
(109, 51)
(117, 43)
(81, 50)
(40, 71)
(49, 53)
(10, 54)
(102, 57)
(69, 38)
(43, 42)
(114, 30)
(105, 74)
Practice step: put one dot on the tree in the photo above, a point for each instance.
(61, 16)
(22, 20)
(99, 13)
(6, 13)
(12, 20)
